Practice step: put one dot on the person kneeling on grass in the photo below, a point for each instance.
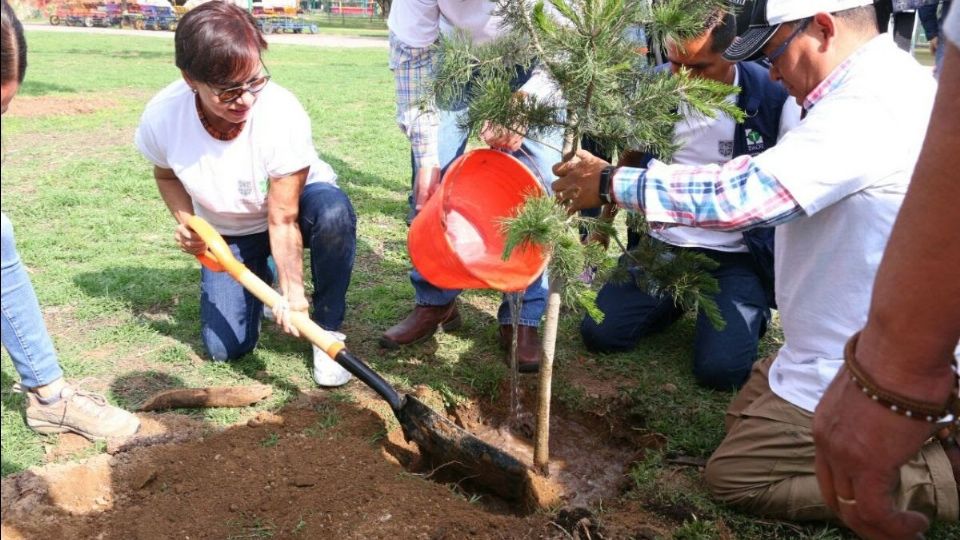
(832, 186)
(53, 406)
(722, 359)
(236, 149)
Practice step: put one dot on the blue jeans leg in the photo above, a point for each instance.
(452, 143)
(24, 333)
(329, 226)
(229, 315)
(723, 359)
(534, 304)
(630, 313)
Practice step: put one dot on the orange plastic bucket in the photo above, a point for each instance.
(455, 242)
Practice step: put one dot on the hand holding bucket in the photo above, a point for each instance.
(456, 242)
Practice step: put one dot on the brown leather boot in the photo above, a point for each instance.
(528, 347)
(421, 324)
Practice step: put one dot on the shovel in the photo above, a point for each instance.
(448, 447)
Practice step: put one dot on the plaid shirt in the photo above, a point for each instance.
(734, 196)
(416, 113)
(730, 197)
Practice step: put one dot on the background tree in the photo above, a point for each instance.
(607, 91)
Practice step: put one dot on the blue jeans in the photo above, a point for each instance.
(24, 334)
(230, 315)
(540, 159)
(722, 359)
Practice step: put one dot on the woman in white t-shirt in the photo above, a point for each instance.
(221, 139)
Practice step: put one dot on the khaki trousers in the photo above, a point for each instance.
(765, 463)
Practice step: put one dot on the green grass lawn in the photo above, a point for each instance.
(122, 302)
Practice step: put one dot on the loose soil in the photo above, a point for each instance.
(316, 469)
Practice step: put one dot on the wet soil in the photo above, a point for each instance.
(588, 461)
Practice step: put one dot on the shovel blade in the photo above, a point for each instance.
(455, 453)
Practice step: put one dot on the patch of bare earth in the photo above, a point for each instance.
(59, 105)
(292, 476)
(319, 469)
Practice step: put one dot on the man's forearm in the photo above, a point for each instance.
(730, 197)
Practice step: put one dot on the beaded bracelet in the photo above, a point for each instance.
(908, 407)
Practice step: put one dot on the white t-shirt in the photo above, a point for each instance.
(702, 141)
(848, 165)
(951, 25)
(228, 180)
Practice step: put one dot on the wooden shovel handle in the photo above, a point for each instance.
(219, 258)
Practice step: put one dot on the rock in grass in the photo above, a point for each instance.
(213, 396)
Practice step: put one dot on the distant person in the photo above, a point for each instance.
(931, 18)
(437, 139)
(53, 405)
(722, 359)
(221, 139)
(904, 16)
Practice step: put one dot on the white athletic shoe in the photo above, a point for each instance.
(326, 371)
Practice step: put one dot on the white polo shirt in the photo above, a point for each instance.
(847, 165)
(228, 180)
(702, 141)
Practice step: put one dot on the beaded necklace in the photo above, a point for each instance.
(228, 135)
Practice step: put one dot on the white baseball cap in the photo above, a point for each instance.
(758, 20)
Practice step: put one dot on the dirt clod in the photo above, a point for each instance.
(214, 396)
(265, 418)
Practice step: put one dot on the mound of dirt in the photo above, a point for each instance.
(314, 470)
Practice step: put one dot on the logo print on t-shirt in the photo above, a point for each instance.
(245, 187)
(725, 148)
(754, 141)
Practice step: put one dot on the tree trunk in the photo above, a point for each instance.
(541, 450)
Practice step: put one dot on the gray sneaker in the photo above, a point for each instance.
(83, 413)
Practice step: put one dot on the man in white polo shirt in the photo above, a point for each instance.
(908, 349)
(833, 186)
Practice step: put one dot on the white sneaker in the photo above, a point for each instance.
(326, 371)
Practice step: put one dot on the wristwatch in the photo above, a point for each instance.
(606, 183)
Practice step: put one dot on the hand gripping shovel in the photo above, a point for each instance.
(446, 446)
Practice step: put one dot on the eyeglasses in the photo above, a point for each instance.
(778, 52)
(236, 92)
